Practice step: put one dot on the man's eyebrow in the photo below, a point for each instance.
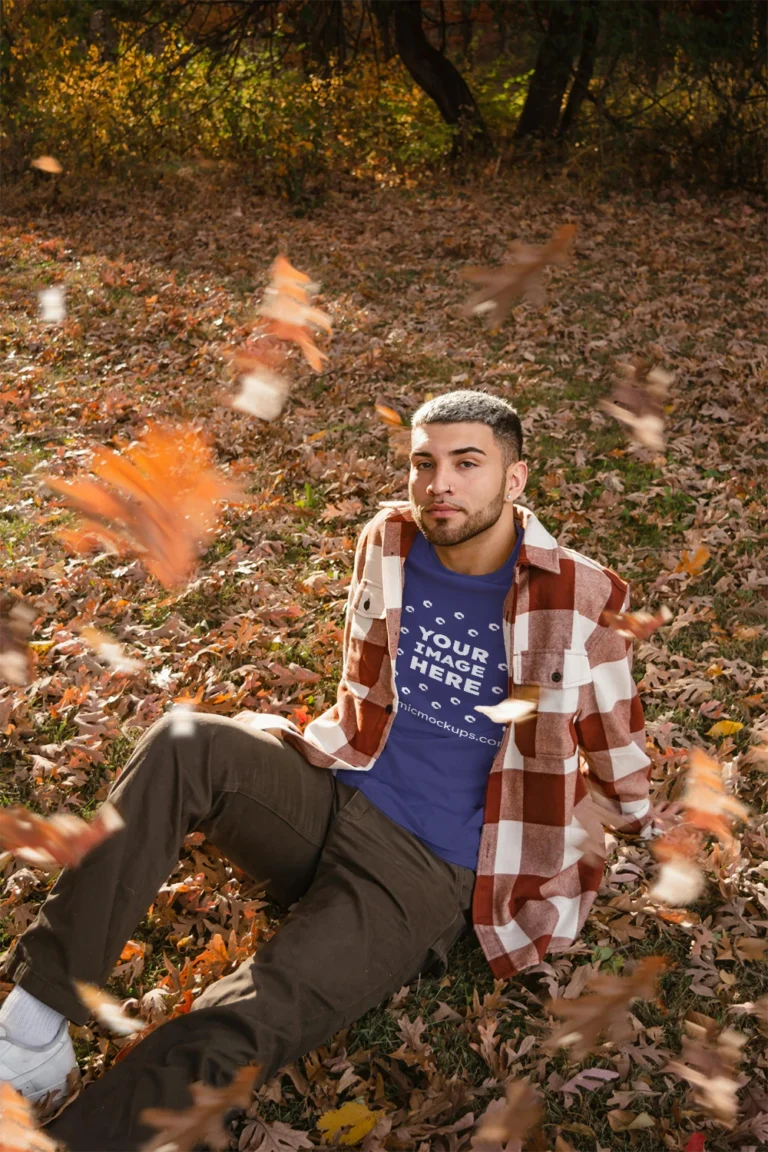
(453, 452)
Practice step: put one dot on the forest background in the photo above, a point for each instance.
(382, 147)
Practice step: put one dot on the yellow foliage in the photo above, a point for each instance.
(356, 1119)
(724, 728)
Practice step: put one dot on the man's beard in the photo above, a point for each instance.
(445, 534)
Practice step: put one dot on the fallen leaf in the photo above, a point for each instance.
(16, 620)
(349, 1124)
(725, 728)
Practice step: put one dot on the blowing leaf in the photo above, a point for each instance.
(108, 649)
(18, 1130)
(107, 1010)
(398, 431)
(511, 711)
(203, 1121)
(708, 1062)
(636, 625)
(637, 401)
(159, 499)
(16, 620)
(605, 1013)
(507, 1120)
(519, 278)
(55, 841)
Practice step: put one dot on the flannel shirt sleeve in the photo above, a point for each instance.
(358, 568)
(611, 733)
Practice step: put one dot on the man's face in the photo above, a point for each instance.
(457, 484)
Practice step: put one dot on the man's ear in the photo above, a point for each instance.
(517, 478)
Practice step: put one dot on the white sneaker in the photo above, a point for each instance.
(34, 1072)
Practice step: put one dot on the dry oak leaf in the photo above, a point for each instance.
(637, 401)
(519, 278)
(606, 1011)
(55, 841)
(694, 564)
(260, 1136)
(349, 1124)
(162, 502)
(636, 625)
(18, 1129)
(107, 1010)
(507, 1120)
(16, 620)
(203, 1121)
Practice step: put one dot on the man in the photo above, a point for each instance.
(431, 812)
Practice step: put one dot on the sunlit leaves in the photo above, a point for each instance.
(158, 499)
(520, 278)
(55, 841)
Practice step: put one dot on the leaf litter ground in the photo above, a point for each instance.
(157, 294)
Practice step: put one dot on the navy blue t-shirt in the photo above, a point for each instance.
(431, 775)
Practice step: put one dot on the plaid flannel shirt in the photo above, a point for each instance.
(534, 884)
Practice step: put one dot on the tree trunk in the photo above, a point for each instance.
(541, 112)
(436, 75)
(584, 71)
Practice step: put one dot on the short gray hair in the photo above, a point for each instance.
(465, 406)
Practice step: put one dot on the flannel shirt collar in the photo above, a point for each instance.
(538, 550)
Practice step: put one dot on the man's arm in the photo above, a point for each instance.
(611, 733)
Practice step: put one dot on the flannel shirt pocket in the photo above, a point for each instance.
(558, 675)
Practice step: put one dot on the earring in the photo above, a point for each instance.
(509, 496)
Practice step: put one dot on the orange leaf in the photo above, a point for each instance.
(55, 841)
(18, 1130)
(693, 565)
(164, 506)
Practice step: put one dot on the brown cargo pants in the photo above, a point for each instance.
(373, 908)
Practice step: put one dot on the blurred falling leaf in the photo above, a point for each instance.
(510, 711)
(707, 805)
(519, 278)
(349, 1124)
(510, 1119)
(110, 651)
(636, 625)
(55, 841)
(107, 1010)
(16, 620)
(165, 504)
(288, 311)
(679, 882)
(52, 307)
(18, 1128)
(262, 393)
(606, 1011)
(47, 164)
(637, 401)
(398, 431)
(203, 1121)
(708, 1062)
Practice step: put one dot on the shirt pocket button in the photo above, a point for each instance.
(557, 677)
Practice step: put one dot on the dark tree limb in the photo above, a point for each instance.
(584, 71)
(541, 111)
(436, 75)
